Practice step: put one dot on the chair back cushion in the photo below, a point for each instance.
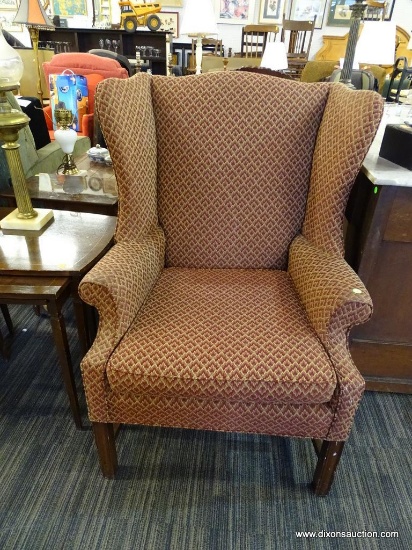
(234, 160)
(233, 165)
(84, 64)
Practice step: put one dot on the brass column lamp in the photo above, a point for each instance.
(11, 122)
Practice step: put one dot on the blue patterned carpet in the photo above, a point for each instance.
(181, 489)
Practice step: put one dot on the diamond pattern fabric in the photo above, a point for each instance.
(223, 334)
(348, 127)
(223, 201)
(225, 303)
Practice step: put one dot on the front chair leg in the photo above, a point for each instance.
(328, 460)
(106, 448)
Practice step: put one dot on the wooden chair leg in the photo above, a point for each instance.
(328, 460)
(106, 448)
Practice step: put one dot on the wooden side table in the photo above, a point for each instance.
(98, 195)
(52, 262)
(51, 292)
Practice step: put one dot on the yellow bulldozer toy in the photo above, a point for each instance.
(134, 14)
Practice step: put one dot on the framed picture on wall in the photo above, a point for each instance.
(238, 12)
(271, 11)
(62, 7)
(339, 13)
(307, 10)
(170, 22)
(8, 5)
(172, 3)
(8, 10)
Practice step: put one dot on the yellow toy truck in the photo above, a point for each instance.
(134, 14)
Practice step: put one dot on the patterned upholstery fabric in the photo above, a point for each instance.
(205, 183)
(225, 303)
(232, 340)
(349, 121)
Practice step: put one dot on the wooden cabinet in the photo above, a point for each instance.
(379, 248)
(158, 44)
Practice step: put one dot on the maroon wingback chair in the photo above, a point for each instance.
(225, 303)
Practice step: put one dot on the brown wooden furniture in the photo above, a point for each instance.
(51, 292)
(297, 37)
(379, 247)
(98, 196)
(46, 267)
(375, 11)
(254, 39)
(210, 46)
(9, 325)
(158, 44)
(334, 47)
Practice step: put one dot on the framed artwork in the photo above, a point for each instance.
(170, 22)
(70, 7)
(6, 19)
(172, 3)
(235, 12)
(271, 11)
(339, 13)
(307, 10)
(8, 5)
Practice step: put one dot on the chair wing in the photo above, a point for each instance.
(225, 303)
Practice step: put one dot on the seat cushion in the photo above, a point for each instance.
(233, 334)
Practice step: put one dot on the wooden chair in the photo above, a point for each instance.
(297, 37)
(375, 11)
(400, 80)
(254, 38)
(226, 303)
(210, 46)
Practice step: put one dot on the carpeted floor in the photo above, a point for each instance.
(181, 489)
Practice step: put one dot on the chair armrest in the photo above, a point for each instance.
(333, 295)
(48, 116)
(88, 125)
(335, 300)
(119, 284)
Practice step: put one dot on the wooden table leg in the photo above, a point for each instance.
(81, 317)
(7, 318)
(63, 351)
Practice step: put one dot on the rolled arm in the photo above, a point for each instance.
(335, 300)
(332, 293)
(120, 282)
(117, 286)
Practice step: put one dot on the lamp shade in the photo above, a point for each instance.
(274, 57)
(32, 14)
(409, 46)
(376, 44)
(199, 18)
(11, 64)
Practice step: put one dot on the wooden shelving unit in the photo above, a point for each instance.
(83, 40)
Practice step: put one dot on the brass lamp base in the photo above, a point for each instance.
(13, 221)
(68, 166)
